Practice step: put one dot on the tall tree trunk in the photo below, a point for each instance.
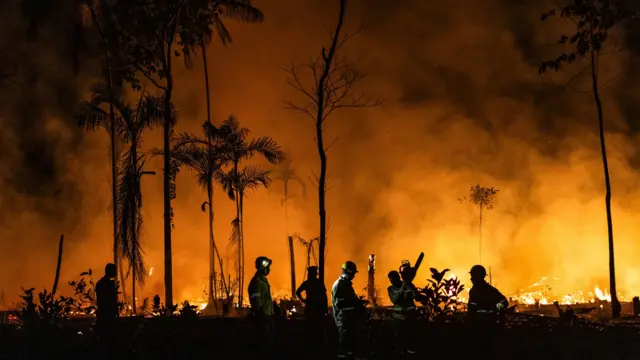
(58, 266)
(292, 259)
(133, 220)
(241, 214)
(112, 131)
(133, 289)
(168, 264)
(480, 234)
(239, 233)
(213, 288)
(121, 282)
(615, 304)
(321, 102)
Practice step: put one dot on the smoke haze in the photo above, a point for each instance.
(464, 105)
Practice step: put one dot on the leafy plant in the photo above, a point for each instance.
(47, 310)
(188, 311)
(85, 294)
(440, 297)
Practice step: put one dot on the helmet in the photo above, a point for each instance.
(478, 270)
(262, 262)
(404, 266)
(349, 267)
(312, 269)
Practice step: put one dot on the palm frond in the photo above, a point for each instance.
(186, 139)
(253, 177)
(91, 117)
(266, 147)
(150, 111)
(227, 181)
(239, 10)
(129, 213)
(221, 30)
(234, 238)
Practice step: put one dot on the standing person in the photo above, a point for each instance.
(315, 306)
(485, 303)
(402, 294)
(347, 311)
(107, 309)
(262, 306)
(484, 298)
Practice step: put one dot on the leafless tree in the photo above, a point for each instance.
(326, 83)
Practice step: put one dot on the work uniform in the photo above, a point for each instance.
(405, 316)
(485, 299)
(262, 311)
(484, 303)
(106, 313)
(315, 309)
(347, 314)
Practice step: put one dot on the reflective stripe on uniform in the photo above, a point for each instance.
(255, 295)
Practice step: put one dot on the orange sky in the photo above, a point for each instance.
(463, 105)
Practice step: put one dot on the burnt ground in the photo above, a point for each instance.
(519, 337)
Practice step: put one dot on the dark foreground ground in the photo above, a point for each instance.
(520, 337)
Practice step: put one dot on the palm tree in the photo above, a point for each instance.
(207, 18)
(130, 123)
(207, 163)
(237, 183)
(237, 147)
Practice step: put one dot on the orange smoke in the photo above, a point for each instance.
(464, 105)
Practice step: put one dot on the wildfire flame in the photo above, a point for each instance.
(539, 293)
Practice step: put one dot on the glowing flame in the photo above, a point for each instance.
(151, 271)
(540, 294)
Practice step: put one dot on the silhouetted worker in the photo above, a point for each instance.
(402, 294)
(315, 305)
(347, 311)
(484, 298)
(262, 306)
(107, 311)
(485, 303)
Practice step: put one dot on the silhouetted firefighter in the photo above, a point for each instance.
(485, 303)
(402, 294)
(315, 306)
(484, 298)
(107, 311)
(262, 307)
(348, 311)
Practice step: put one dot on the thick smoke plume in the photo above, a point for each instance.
(464, 105)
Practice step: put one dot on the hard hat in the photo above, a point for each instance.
(349, 267)
(312, 269)
(262, 262)
(478, 270)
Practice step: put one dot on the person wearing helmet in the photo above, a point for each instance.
(107, 308)
(347, 310)
(402, 294)
(315, 305)
(262, 305)
(484, 298)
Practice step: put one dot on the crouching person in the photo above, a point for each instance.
(262, 307)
